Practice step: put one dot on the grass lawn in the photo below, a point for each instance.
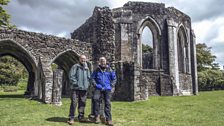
(206, 109)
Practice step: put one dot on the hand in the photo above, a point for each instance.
(112, 90)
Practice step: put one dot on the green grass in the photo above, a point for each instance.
(22, 84)
(206, 109)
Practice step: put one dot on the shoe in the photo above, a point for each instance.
(71, 121)
(97, 119)
(110, 123)
(103, 119)
(91, 117)
(81, 119)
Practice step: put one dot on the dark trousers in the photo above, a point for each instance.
(77, 96)
(101, 106)
(106, 95)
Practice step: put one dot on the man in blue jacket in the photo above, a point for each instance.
(104, 79)
(79, 77)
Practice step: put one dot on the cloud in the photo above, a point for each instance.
(61, 17)
(198, 10)
(218, 51)
(211, 33)
(52, 16)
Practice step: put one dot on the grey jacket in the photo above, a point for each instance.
(79, 77)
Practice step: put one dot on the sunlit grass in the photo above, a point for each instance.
(203, 110)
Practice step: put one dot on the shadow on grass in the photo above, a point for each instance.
(58, 119)
(12, 96)
(21, 96)
(64, 120)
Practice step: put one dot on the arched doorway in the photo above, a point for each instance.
(15, 50)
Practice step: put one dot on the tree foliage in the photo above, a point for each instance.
(4, 16)
(205, 59)
(210, 77)
(146, 48)
(10, 71)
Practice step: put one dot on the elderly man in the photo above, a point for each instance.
(79, 77)
(104, 79)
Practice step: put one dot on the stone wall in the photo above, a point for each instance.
(99, 31)
(86, 31)
(42, 45)
(154, 83)
(57, 87)
(124, 89)
(130, 20)
(186, 84)
(149, 84)
(115, 34)
(166, 85)
(37, 52)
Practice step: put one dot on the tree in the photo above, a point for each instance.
(146, 48)
(205, 59)
(210, 77)
(4, 16)
(10, 69)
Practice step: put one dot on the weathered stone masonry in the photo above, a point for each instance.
(99, 31)
(37, 52)
(115, 34)
(173, 69)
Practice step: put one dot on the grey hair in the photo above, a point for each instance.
(102, 58)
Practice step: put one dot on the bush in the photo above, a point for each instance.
(10, 88)
(22, 84)
(11, 71)
(1, 88)
(211, 79)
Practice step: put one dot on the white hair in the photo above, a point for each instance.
(102, 58)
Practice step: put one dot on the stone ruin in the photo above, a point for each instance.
(116, 34)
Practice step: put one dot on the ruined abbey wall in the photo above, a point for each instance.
(170, 69)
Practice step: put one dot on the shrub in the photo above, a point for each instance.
(10, 88)
(11, 71)
(22, 84)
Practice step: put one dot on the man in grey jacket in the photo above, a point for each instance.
(79, 77)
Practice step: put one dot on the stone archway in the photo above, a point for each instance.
(61, 86)
(12, 48)
(64, 61)
(37, 51)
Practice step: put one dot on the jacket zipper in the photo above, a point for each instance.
(83, 77)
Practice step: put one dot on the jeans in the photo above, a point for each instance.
(77, 96)
(106, 98)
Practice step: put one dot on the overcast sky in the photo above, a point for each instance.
(61, 17)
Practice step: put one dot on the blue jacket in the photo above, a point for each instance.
(104, 79)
